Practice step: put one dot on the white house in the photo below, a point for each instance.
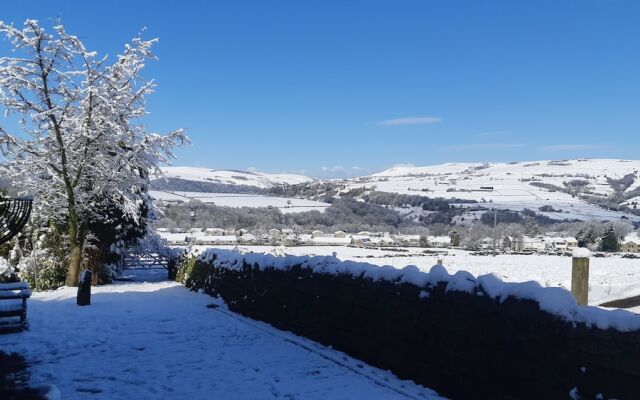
(274, 232)
(340, 234)
(631, 243)
(572, 243)
(317, 234)
(215, 231)
(247, 238)
(556, 243)
(305, 238)
(383, 241)
(439, 241)
(530, 243)
(411, 240)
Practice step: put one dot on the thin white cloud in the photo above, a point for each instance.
(335, 168)
(492, 134)
(252, 169)
(411, 121)
(572, 147)
(483, 146)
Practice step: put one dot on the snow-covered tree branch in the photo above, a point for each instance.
(81, 145)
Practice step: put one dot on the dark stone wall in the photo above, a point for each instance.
(465, 346)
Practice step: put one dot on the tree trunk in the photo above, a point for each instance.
(77, 242)
(75, 260)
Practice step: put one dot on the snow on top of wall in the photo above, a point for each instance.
(557, 301)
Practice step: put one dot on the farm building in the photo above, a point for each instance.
(630, 244)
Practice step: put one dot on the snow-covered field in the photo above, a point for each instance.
(284, 204)
(611, 278)
(157, 340)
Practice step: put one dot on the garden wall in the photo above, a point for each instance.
(466, 337)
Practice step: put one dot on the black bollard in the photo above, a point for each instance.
(84, 288)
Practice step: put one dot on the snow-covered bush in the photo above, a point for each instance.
(7, 272)
(43, 259)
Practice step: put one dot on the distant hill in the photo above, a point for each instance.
(561, 189)
(190, 179)
(584, 189)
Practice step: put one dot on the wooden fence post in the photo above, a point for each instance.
(580, 279)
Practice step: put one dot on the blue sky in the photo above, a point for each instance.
(334, 88)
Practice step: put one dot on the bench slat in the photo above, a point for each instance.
(11, 295)
(14, 286)
(11, 309)
(12, 313)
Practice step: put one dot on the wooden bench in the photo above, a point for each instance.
(13, 306)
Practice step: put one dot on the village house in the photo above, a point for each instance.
(530, 243)
(511, 243)
(438, 241)
(486, 243)
(572, 243)
(215, 231)
(556, 243)
(247, 238)
(408, 240)
(340, 234)
(274, 233)
(382, 241)
(317, 234)
(630, 244)
(304, 238)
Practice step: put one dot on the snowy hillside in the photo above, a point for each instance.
(585, 189)
(230, 177)
(570, 187)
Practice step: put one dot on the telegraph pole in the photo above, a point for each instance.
(495, 223)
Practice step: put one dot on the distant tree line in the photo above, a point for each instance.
(344, 214)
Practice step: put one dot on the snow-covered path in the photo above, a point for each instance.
(157, 340)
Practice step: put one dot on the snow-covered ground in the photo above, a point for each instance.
(610, 278)
(284, 204)
(153, 339)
